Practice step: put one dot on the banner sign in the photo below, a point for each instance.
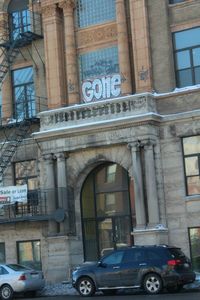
(101, 88)
(12, 194)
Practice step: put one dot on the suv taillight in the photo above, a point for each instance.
(174, 262)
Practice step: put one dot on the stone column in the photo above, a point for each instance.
(151, 187)
(48, 189)
(70, 51)
(54, 55)
(123, 48)
(6, 91)
(138, 185)
(62, 189)
(141, 45)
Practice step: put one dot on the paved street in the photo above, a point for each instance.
(194, 295)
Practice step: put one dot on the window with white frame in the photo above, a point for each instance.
(92, 12)
(187, 56)
(191, 152)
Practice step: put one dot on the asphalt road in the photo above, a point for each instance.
(194, 295)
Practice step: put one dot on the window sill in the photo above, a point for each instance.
(192, 198)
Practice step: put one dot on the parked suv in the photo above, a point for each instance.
(151, 268)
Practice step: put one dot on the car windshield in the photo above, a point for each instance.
(16, 267)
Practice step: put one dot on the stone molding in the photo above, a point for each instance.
(98, 111)
(49, 11)
(101, 34)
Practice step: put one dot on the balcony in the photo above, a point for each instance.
(37, 207)
(102, 113)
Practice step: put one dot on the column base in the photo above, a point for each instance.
(151, 235)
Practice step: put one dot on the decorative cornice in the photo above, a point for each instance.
(94, 36)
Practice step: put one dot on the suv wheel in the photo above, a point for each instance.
(85, 287)
(152, 283)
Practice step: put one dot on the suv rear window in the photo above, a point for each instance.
(176, 253)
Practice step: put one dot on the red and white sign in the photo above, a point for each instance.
(12, 194)
(101, 88)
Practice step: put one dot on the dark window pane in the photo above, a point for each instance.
(194, 234)
(90, 240)
(88, 199)
(197, 75)
(183, 60)
(187, 38)
(185, 78)
(196, 56)
(2, 253)
(175, 1)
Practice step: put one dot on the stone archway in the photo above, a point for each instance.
(107, 210)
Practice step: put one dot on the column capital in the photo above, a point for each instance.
(61, 156)
(148, 143)
(135, 145)
(47, 157)
(49, 11)
(67, 5)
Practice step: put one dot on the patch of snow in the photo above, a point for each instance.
(58, 289)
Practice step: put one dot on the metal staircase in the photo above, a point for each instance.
(10, 48)
(9, 146)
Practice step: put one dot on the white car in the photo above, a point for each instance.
(15, 278)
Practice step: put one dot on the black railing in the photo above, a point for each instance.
(37, 207)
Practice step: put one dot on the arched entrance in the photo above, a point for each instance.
(107, 208)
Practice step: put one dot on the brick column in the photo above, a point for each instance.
(123, 48)
(70, 52)
(138, 185)
(54, 55)
(151, 187)
(141, 46)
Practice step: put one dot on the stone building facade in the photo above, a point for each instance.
(111, 153)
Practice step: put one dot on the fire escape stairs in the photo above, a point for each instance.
(11, 143)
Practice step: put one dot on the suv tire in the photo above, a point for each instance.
(152, 283)
(85, 287)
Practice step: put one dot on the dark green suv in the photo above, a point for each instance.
(151, 268)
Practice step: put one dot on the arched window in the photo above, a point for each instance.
(108, 213)
(19, 17)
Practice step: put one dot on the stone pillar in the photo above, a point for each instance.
(123, 48)
(48, 189)
(6, 91)
(70, 51)
(138, 185)
(141, 46)
(54, 55)
(62, 189)
(151, 187)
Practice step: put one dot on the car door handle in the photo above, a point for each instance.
(117, 267)
(142, 264)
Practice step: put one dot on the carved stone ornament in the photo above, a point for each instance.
(49, 11)
(98, 35)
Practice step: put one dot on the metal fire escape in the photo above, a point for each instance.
(10, 47)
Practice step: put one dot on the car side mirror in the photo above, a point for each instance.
(101, 264)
